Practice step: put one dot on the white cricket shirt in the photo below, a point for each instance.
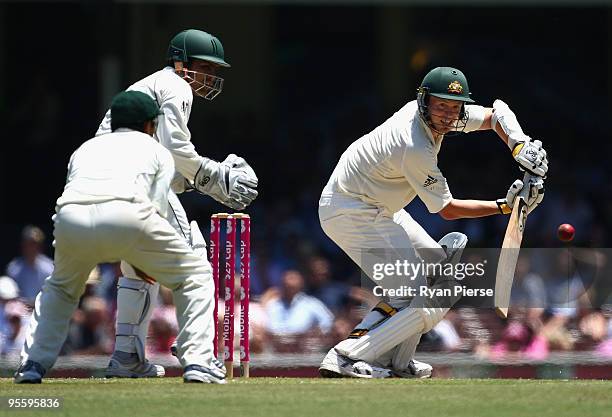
(123, 165)
(174, 97)
(396, 162)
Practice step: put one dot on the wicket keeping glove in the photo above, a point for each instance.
(231, 182)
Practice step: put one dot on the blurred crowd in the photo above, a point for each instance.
(307, 306)
(306, 292)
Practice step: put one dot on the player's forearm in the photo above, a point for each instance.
(467, 209)
(174, 135)
(486, 125)
(500, 132)
(187, 164)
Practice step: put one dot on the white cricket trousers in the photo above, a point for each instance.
(86, 235)
(369, 235)
(358, 228)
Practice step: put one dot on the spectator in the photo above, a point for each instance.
(605, 347)
(164, 326)
(294, 312)
(13, 317)
(446, 335)
(516, 341)
(32, 267)
(8, 291)
(17, 317)
(528, 290)
(594, 330)
(89, 331)
(335, 295)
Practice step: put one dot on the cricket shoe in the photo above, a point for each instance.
(128, 365)
(216, 362)
(335, 365)
(416, 369)
(29, 373)
(201, 374)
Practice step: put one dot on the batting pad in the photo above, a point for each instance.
(134, 312)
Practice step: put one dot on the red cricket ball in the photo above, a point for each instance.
(566, 232)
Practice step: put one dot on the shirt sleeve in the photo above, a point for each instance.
(173, 133)
(421, 171)
(476, 116)
(163, 177)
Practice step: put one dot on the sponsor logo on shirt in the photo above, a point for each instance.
(185, 106)
(429, 181)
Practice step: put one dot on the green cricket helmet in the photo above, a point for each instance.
(193, 44)
(448, 83)
(196, 44)
(445, 83)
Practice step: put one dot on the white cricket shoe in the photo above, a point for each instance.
(216, 362)
(29, 373)
(201, 374)
(416, 369)
(335, 365)
(127, 365)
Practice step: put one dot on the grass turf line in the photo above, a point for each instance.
(285, 397)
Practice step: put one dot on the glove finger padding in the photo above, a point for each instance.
(247, 193)
(513, 191)
(530, 155)
(505, 204)
(248, 182)
(240, 165)
(236, 204)
(536, 194)
(233, 159)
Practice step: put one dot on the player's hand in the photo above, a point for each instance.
(536, 193)
(531, 157)
(505, 204)
(533, 196)
(241, 181)
(231, 182)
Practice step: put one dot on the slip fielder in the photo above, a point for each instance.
(362, 209)
(194, 58)
(113, 207)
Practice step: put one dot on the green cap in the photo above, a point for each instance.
(130, 108)
(196, 44)
(448, 83)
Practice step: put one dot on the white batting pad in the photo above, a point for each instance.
(134, 310)
(384, 337)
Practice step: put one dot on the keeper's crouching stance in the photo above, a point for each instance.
(194, 60)
(361, 210)
(113, 207)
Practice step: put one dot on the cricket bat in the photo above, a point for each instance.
(510, 251)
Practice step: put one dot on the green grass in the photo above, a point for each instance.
(286, 397)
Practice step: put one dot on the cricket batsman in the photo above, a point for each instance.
(114, 206)
(362, 209)
(193, 59)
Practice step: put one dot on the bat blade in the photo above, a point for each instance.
(509, 256)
